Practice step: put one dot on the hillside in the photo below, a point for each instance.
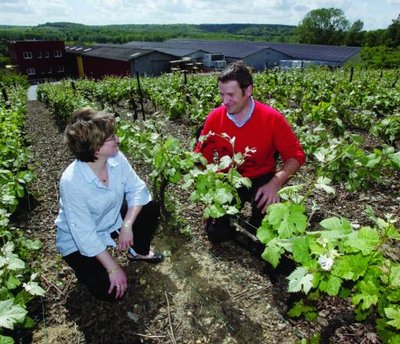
(87, 34)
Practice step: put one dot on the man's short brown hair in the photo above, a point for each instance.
(237, 71)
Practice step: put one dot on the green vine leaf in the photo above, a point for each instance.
(395, 277)
(265, 233)
(394, 314)
(302, 309)
(11, 314)
(393, 233)
(225, 162)
(10, 259)
(301, 252)
(367, 296)
(12, 282)
(287, 218)
(323, 184)
(330, 284)
(299, 280)
(335, 228)
(33, 288)
(6, 340)
(350, 267)
(272, 252)
(365, 240)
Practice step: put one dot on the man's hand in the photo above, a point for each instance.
(267, 194)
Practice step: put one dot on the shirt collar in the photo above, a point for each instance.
(88, 173)
(112, 162)
(246, 119)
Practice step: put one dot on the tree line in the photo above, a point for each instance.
(118, 34)
(381, 48)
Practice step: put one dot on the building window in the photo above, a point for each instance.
(50, 70)
(39, 54)
(27, 55)
(57, 53)
(46, 54)
(60, 69)
(30, 71)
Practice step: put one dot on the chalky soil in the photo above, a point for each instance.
(199, 294)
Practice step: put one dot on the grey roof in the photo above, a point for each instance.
(79, 49)
(109, 51)
(235, 49)
(177, 50)
(316, 52)
(117, 53)
(128, 51)
(231, 49)
(240, 49)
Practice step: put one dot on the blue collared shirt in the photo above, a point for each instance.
(246, 119)
(89, 210)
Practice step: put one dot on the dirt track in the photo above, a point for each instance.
(198, 295)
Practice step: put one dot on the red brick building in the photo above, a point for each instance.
(38, 59)
(98, 61)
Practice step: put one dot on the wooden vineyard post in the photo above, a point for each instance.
(140, 94)
(351, 74)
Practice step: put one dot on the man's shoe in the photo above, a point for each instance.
(218, 232)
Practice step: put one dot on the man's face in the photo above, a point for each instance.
(233, 97)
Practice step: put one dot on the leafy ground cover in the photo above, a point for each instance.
(201, 294)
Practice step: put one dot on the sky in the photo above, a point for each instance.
(375, 14)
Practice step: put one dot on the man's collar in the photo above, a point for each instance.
(246, 119)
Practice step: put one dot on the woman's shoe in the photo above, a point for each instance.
(154, 259)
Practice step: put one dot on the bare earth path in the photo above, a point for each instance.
(198, 295)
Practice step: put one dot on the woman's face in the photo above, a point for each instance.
(109, 147)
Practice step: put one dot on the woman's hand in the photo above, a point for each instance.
(118, 281)
(125, 238)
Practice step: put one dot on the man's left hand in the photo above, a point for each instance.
(266, 195)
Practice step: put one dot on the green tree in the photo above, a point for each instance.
(381, 57)
(393, 33)
(375, 38)
(323, 26)
(355, 35)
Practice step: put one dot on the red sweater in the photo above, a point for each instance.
(267, 131)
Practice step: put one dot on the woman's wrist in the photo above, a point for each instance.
(112, 270)
(127, 224)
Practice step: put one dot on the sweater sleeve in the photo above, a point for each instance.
(286, 141)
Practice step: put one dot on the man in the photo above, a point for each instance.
(254, 125)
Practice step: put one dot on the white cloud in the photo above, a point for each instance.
(54, 8)
(374, 13)
(15, 6)
(36, 8)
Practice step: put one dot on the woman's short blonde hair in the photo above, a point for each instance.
(86, 132)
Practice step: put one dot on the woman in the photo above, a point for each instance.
(92, 192)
